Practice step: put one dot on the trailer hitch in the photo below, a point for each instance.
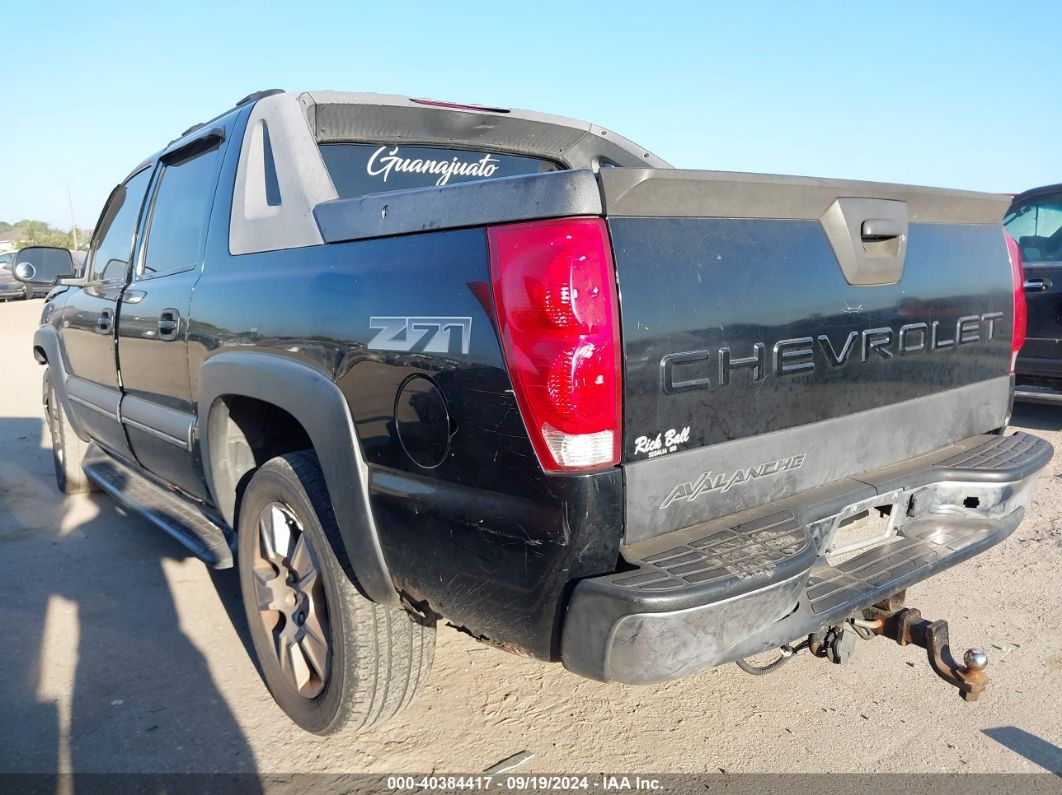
(907, 626)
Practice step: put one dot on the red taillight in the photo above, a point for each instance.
(1021, 312)
(558, 316)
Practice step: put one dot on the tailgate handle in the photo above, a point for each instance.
(878, 229)
(868, 238)
(1037, 285)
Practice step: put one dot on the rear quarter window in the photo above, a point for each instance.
(361, 169)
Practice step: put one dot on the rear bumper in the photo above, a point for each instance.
(752, 581)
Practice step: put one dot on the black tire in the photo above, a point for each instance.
(378, 657)
(68, 450)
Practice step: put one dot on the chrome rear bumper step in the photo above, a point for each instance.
(739, 585)
(922, 548)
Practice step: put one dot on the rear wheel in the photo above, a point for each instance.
(331, 658)
(68, 450)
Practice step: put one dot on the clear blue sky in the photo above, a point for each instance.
(959, 94)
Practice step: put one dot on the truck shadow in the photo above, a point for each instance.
(1033, 748)
(99, 675)
(1037, 416)
(227, 585)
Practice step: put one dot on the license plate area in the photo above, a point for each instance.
(863, 525)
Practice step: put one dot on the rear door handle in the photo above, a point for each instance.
(1037, 285)
(104, 321)
(169, 325)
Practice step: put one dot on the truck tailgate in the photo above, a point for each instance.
(780, 333)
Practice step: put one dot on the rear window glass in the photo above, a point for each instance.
(361, 169)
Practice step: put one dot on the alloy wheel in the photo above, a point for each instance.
(290, 597)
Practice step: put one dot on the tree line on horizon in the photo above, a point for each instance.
(40, 233)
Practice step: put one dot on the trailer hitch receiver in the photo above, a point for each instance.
(907, 626)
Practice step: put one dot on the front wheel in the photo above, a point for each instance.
(68, 450)
(331, 658)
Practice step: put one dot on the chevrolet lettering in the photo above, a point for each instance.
(797, 356)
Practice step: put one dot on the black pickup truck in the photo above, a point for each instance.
(403, 361)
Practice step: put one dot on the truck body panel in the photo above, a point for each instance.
(781, 339)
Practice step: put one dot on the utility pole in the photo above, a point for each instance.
(73, 223)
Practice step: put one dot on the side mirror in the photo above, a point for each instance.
(43, 265)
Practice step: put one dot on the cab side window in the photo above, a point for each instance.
(176, 231)
(113, 244)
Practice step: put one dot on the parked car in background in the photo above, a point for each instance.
(10, 288)
(1035, 221)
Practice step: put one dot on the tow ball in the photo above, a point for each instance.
(907, 626)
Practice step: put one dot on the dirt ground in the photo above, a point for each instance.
(121, 653)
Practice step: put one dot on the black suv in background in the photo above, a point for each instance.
(1035, 221)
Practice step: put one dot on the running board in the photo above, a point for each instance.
(1037, 394)
(163, 508)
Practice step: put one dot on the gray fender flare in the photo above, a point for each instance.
(313, 399)
(46, 338)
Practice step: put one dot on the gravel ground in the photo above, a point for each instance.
(123, 654)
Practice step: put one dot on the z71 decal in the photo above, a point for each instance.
(421, 334)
